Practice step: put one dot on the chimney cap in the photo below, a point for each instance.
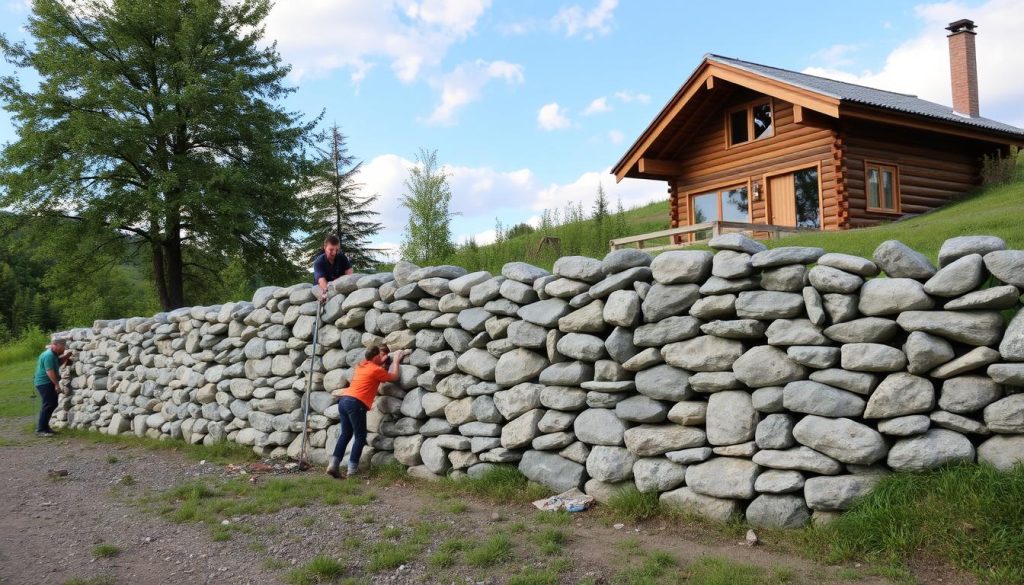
(962, 25)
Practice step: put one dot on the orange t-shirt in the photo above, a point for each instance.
(366, 382)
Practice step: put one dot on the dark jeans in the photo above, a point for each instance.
(353, 424)
(49, 396)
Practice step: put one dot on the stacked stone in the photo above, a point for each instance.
(781, 384)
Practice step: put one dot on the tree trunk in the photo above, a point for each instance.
(158, 276)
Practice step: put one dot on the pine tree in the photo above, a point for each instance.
(620, 220)
(600, 206)
(335, 205)
(428, 235)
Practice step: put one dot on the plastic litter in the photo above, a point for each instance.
(571, 501)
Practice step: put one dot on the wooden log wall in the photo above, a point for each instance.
(708, 164)
(932, 169)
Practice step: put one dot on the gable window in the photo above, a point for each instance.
(751, 122)
(882, 186)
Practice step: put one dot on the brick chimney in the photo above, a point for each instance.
(963, 67)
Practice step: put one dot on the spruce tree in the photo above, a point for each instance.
(428, 235)
(335, 204)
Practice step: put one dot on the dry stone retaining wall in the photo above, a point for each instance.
(744, 381)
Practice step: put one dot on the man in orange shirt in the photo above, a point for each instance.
(356, 400)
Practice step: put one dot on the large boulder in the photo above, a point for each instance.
(552, 471)
(841, 438)
(774, 511)
(723, 477)
(930, 450)
(730, 418)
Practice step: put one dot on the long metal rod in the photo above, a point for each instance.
(304, 451)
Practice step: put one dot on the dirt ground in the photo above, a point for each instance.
(51, 526)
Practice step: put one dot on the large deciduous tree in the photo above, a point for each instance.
(428, 235)
(335, 205)
(158, 122)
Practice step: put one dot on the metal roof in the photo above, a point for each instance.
(869, 96)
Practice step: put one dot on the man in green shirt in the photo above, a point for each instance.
(47, 381)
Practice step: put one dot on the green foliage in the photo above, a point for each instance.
(504, 484)
(998, 169)
(105, 550)
(18, 396)
(968, 514)
(154, 127)
(550, 540)
(335, 205)
(27, 347)
(633, 505)
(494, 550)
(428, 236)
(321, 569)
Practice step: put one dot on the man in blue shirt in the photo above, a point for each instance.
(330, 265)
(47, 381)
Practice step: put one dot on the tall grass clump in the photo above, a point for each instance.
(633, 505)
(504, 484)
(970, 515)
(26, 347)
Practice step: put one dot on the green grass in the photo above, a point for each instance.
(322, 569)
(632, 505)
(18, 395)
(105, 550)
(550, 541)
(98, 580)
(994, 211)
(972, 516)
(222, 452)
(719, 571)
(494, 550)
(201, 501)
(503, 484)
(27, 347)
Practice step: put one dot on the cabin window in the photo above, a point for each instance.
(729, 204)
(882, 186)
(751, 122)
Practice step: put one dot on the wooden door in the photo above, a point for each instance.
(782, 200)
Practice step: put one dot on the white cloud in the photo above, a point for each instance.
(575, 19)
(583, 190)
(920, 66)
(629, 97)
(465, 83)
(598, 106)
(322, 35)
(552, 117)
(616, 137)
(836, 56)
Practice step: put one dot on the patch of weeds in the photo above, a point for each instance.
(532, 576)
(391, 532)
(105, 550)
(458, 507)
(257, 547)
(309, 521)
(126, 479)
(556, 518)
(274, 564)
(494, 550)
(368, 519)
(98, 580)
(969, 515)
(352, 543)
(652, 568)
(504, 484)
(633, 505)
(716, 570)
(221, 533)
(389, 473)
(516, 528)
(222, 452)
(389, 556)
(550, 541)
(111, 459)
(358, 499)
(322, 569)
(447, 553)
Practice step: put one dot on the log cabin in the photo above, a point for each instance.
(750, 143)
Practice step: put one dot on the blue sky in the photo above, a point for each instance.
(530, 102)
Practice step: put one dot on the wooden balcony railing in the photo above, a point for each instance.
(695, 232)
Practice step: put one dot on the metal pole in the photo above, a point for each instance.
(304, 451)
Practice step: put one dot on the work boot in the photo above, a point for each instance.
(332, 468)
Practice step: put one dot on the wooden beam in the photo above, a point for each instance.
(939, 126)
(797, 96)
(798, 114)
(659, 168)
(710, 82)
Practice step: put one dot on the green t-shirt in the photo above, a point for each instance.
(47, 361)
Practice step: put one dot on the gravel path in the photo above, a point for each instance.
(51, 526)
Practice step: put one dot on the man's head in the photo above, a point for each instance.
(58, 344)
(377, 354)
(331, 246)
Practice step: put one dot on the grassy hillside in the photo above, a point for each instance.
(997, 211)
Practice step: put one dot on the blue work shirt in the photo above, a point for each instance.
(324, 269)
(47, 361)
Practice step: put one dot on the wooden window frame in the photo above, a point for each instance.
(717, 189)
(897, 209)
(749, 109)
